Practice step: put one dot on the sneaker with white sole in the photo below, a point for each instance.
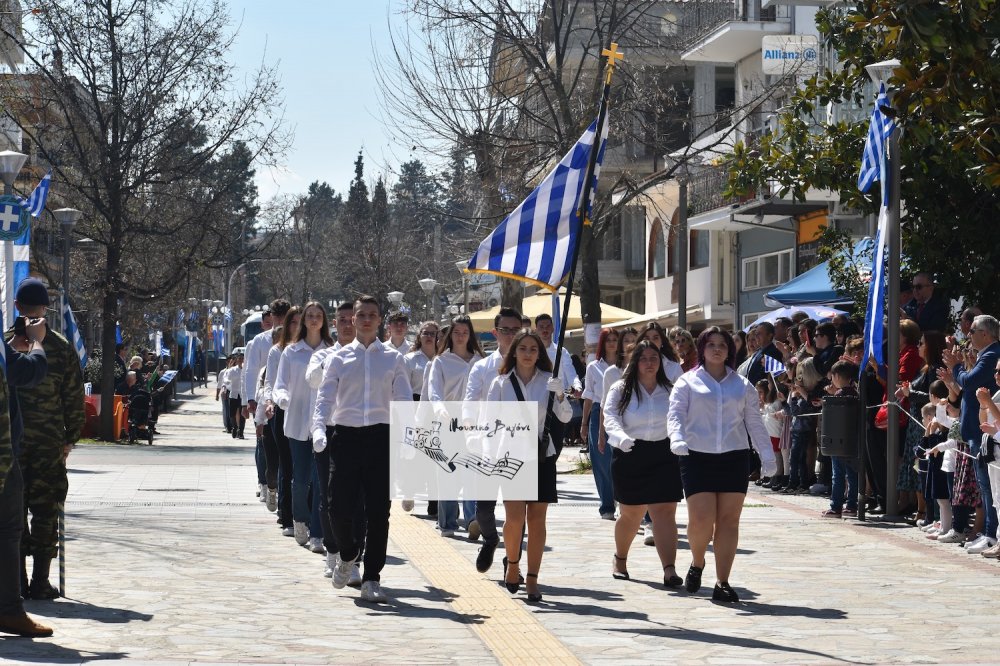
(331, 562)
(271, 504)
(981, 546)
(372, 591)
(647, 535)
(301, 533)
(973, 543)
(951, 536)
(316, 545)
(407, 505)
(287, 531)
(342, 572)
(259, 486)
(929, 527)
(355, 579)
(992, 551)
(261, 492)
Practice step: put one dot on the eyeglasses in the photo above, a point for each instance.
(507, 331)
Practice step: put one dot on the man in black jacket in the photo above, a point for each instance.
(765, 340)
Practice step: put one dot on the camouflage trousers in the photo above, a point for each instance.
(45, 488)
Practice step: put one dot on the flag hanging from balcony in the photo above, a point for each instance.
(536, 242)
(873, 167)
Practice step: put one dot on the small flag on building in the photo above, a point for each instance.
(72, 333)
(35, 203)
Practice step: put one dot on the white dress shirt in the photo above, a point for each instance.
(449, 373)
(259, 415)
(403, 348)
(290, 391)
(611, 375)
(672, 369)
(501, 389)
(715, 417)
(416, 364)
(271, 370)
(593, 385)
(358, 384)
(255, 357)
(567, 373)
(234, 382)
(477, 387)
(643, 419)
(317, 364)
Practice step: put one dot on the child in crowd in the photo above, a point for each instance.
(803, 404)
(772, 408)
(845, 472)
(956, 462)
(937, 489)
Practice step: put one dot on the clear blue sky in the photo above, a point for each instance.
(324, 53)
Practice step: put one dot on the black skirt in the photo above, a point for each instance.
(648, 474)
(547, 481)
(715, 472)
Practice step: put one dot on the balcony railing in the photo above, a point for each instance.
(706, 188)
(701, 18)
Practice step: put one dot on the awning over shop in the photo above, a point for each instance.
(541, 302)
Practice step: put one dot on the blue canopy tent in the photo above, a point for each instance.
(813, 287)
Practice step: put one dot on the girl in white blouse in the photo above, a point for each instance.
(593, 394)
(447, 376)
(712, 410)
(283, 335)
(527, 364)
(418, 360)
(646, 473)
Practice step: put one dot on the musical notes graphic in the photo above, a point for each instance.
(506, 467)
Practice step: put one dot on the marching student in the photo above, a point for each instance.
(359, 383)
(593, 393)
(397, 323)
(447, 375)
(282, 337)
(417, 362)
(712, 410)
(545, 328)
(646, 473)
(292, 394)
(234, 386)
(506, 325)
(526, 375)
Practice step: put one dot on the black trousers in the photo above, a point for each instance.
(270, 456)
(235, 407)
(359, 467)
(875, 462)
(284, 467)
(360, 524)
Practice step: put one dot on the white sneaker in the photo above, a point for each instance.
(316, 545)
(342, 572)
(272, 500)
(331, 562)
(647, 535)
(407, 505)
(355, 579)
(951, 536)
(981, 545)
(287, 531)
(301, 533)
(372, 591)
(972, 543)
(261, 492)
(936, 525)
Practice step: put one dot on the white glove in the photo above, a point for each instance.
(769, 468)
(625, 445)
(554, 385)
(679, 448)
(319, 440)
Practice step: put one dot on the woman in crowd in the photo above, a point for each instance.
(526, 375)
(234, 386)
(712, 409)
(292, 394)
(740, 339)
(910, 365)
(646, 473)
(281, 337)
(447, 375)
(593, 392)
(683, 343)
(626, 343)
(671, 364)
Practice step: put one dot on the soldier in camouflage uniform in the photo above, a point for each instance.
(53, 417)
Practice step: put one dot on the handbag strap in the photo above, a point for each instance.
(517, 387)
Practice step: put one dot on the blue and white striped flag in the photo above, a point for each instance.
(536, 242)
(19, 272)
(72, 333)
(773, 366)
(873, 167)
(189, 338)
(35, 203)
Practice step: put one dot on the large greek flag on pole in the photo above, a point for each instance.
(873, 167)
(72, 333)
(535, 243)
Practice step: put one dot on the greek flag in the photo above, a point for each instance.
(218, 332)
(35, 203)
(189, 342)
(536, 242)
(773, 366)
(72, 333)
(873, 167)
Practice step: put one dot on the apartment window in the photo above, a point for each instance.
(751, 317)
(657, 255)
(633, 232)
(767, 270)
(609, 245)
(699, 246)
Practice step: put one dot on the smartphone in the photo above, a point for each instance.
(20, 324)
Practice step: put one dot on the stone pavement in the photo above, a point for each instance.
(171, 559)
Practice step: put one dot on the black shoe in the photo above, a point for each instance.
(511, 587)
(534, 598)
(484, 561)
(615, 573)
(673, 580)
(723, 592)
(42, 590)
(692, 582)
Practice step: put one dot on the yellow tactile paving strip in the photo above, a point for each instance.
(501, 621)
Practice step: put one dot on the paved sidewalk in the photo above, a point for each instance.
(172, 559)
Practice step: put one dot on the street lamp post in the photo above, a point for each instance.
(428, 285)
(880, 72)
(66, 217)
(461, 266)
(10, 165)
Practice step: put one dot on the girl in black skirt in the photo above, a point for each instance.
(712, 410)
(644, 470)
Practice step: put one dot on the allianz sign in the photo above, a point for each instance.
(787, 54)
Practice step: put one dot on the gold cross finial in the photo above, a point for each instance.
(613, 55)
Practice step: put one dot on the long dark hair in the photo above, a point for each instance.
(324, 332)
(471, 346)
(631, 375)
(510, 360)
(287, 336)
(628, 330)
(666, 349)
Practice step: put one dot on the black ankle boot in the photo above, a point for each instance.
(692, 582)
(723, 592)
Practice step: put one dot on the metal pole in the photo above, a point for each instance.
(8, 256)
(892, 330)
(682, 251)
(465, 293)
